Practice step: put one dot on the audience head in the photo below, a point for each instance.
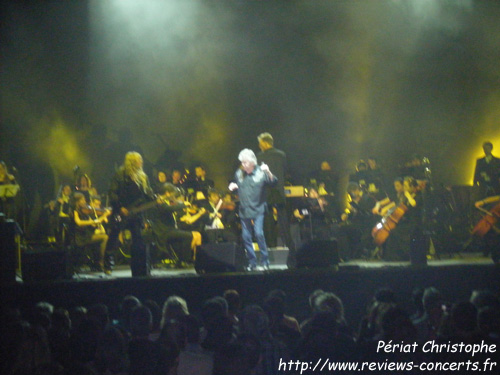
(488, 320)
(213, 312)
(192, 329)
(312, 298)
(483, 298)
(111, 354)
(99, 313)
(129, 303)
(254, 321)
(385, 295)
(141, 321)
(331, 303)
(174, 308)
(231, 359)
(464, 318)
(396, 325)
(155, 313)
(233, 300)
(44, 307)
(432, 300)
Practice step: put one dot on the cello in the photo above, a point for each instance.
(383, 229)
(488, 221)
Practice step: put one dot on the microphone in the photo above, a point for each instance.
(76, 168)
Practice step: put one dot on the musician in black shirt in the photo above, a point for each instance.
(487, 172)
(276, 160)
(354, 234)
(407, 239)
(166, 230)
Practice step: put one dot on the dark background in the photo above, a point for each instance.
(83, 82)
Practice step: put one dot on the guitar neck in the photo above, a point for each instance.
(142, 207)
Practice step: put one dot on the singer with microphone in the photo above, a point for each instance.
(250, 180)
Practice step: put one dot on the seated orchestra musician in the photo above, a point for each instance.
(176, 178)
(361, 176)
(318, 213)
(366, 208)
(230, 218)
(7, 201)
(88, 227)
(192, 217)
(84, 186)
(157, 183)
(59, 215)
(354, 235)
(218, 224)
(201, 181)
(386, 205)
(490, 227)
(407, 239)
(165, 229)
(213, 207)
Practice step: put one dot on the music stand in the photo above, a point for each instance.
(8, 191)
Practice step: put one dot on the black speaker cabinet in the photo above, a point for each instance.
(44, 264)
(220, 257)
(9, 229)
(220, 235)
(317, 254)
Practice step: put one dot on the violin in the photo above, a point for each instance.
(191, 210)
(89, 210)
(189, 218)
(229, 206)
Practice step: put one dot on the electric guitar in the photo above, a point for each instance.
(134, 210)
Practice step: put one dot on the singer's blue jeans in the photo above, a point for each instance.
(246, 233)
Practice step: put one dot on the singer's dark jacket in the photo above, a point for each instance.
(251, 192)
(276, 160)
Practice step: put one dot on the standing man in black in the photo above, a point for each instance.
(487, 172)
(276, 200)
(129, 191)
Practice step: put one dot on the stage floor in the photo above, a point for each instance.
(355, 282)
(123, 271)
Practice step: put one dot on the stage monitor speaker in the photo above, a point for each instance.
(44, 264)
(318, 254)
(220, 257)
(220, 235)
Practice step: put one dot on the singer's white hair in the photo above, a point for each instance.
(247, 155)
